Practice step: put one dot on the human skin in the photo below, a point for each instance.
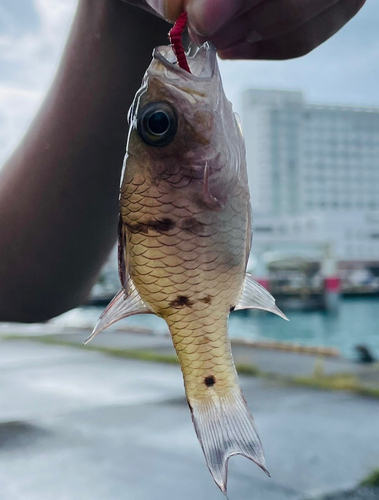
(262, 29)
(59, 190)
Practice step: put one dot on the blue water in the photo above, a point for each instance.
(357, 322)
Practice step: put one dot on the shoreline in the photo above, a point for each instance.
(288, 364)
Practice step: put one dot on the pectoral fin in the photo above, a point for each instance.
(255, 296)
(210, 200)
(125, 303)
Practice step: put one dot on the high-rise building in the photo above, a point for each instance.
(310, 158)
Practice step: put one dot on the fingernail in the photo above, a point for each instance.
(158, 6)
(168, 9)
(205, 17)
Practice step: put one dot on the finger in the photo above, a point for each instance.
(302, 40)
(168, 9)
(272, 18)
(268, 19)
(235, 33)
(206, 17)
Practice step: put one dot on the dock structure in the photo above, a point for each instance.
(299, 276)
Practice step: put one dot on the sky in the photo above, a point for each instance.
(344, 70)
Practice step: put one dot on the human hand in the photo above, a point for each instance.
(261, 29)
(167, 9)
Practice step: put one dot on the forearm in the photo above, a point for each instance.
(59, 190)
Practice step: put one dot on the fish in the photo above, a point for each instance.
(185, 238)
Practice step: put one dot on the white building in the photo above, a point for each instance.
(313, 173)
(354, 238)
(304, 157)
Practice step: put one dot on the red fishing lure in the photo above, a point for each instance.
(175, 36)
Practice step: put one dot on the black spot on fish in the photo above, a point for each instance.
(192, 225)
(160, 226)
(232, 308)
(210, 381)
(207, 299)
(181, 301)
(137, 227)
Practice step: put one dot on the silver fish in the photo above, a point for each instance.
(184, 241)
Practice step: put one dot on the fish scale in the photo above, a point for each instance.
(196, 320)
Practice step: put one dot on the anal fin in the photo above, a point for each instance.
(255, 296)
(125, 303)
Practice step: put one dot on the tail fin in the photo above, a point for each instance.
(225, 427)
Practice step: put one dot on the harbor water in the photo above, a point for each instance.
(356, 323)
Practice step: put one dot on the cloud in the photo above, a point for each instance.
(18, 16)
(30, 47)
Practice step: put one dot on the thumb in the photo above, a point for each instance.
(205, 17)
(168, 9)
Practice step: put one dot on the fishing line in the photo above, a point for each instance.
(175, 36)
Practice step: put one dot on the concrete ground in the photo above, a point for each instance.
(78, 425)
(289, 364)
(285, 363)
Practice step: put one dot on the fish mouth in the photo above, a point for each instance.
(202, 64)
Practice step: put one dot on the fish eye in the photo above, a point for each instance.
(157, 124)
